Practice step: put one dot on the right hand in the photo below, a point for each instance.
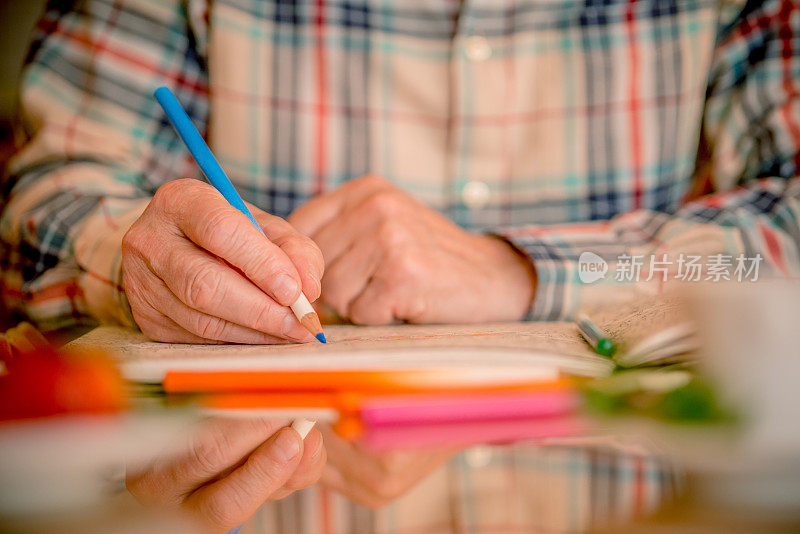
(228, 469)
(195, 270)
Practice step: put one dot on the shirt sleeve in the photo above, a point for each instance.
(744, 220)
(96, 147)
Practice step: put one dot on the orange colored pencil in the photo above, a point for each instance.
(381, 381)
(244, 401)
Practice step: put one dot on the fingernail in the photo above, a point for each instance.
(287, 445)
(319, 286)
(284, 288)
(293, 329)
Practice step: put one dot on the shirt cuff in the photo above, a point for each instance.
(98, 252)
(558, 288)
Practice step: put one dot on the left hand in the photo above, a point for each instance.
(373, 479)
(389, 257)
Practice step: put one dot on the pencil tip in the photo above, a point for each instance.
(321, 338)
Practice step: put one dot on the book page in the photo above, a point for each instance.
(505, 344)
(635, 324)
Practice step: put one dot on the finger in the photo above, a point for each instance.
(138, 280)
(374, 305)
(346, 470)
(310, 467)
(230, 501)
(314, 214)
(333, 479)
(398, 290)
(219, 445)
(222, 298)
(211, 327)
(386, 483)
(348, 275)
(225, 232)
(384, 474)
(301, 250)
(359, 464)
(159, 327)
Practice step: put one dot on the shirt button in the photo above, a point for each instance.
(477, 48)
(475, 194)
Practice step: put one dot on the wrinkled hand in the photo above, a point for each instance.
(389, 257)
(230, 468)
(196, 270)
(373, 479)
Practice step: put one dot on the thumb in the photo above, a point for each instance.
(231, 501)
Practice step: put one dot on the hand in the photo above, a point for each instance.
(373, 479)
(390, 257)
(196, 270)
(229, 469)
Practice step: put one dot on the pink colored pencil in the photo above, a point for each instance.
(433, 409)
(472, 433)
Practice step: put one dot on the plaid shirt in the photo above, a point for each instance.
(632, 129)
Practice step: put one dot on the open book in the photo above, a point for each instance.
(647, 330)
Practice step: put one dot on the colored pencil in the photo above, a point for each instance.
(362, 380)
(429, 409)
(469, 433)
(595, 336)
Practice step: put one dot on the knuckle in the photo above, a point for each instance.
(203, 286)
(387, 489)
(384, 203)
(165, 195)
(393, 464)
(131, 239)
(370, 314)
(371, 179)
(405, 266)
(135, 241)
(415, 309)
(314, 252)
(224, 228)
(264, 469)
(209, 453)
(209, 327)
(303, 245)
(151, 487)
(392, 235)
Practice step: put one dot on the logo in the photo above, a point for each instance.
(591, 267)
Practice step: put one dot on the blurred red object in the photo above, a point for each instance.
(37, 380)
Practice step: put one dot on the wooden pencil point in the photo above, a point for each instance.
(310, 322)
